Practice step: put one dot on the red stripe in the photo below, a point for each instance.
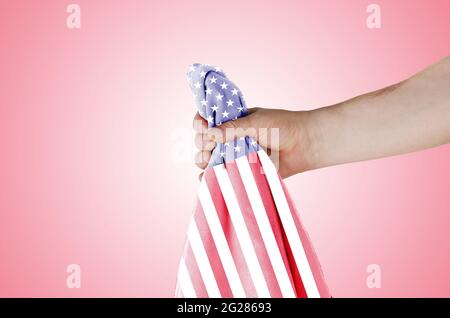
(211, 251)
(194, 272)
(308, 247)
(275, 222)
(299, 287)
(229, 232)
(253, 229)
(233, 242)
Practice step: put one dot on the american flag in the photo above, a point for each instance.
(245, 238)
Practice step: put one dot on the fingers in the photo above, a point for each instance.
(202, 159)
(203, 143)
(201, 140)
(234, 129)
(205, 139)
(246, 126)
(200, 125)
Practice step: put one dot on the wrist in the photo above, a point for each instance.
(308, 139)
(313, 124)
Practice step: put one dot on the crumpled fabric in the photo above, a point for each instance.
(245, 238)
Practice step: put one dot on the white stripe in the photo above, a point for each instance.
(177, 290)
(221, 242)
(184, 281)
(242, 232)
(289, 226)
(202, 261)
(265, 228)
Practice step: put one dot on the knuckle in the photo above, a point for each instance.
(202, 159)
(199, 125)
(198, 141)
(209, 145)
(230, 128)
(197, 157)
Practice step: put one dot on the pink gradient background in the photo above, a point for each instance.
(86, 119)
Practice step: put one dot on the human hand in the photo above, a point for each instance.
(292, 146)
(409, 116)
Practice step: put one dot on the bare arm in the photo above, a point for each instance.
(406, 117)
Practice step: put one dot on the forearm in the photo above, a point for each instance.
(406, 117)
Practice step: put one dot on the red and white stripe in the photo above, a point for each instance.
(245, 238)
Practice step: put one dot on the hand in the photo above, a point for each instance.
(405, 117)
(292, 145)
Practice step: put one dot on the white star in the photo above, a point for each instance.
(242, 138)
(240, 108)
(234, 91)
(213, 79)
(218, 69)
(191, 68)
(204, 102)
(203, 74)
(253, 142)
(214, 108)
(225, 114)
(222, 154)
(230, 103)
(219, 96)
(224, 85)
(208, 91)
(209, 119)
(226, 144)
(197, 85)
(237, 149)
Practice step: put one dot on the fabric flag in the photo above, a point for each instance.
(245, 238)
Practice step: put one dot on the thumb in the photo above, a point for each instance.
(233, 129)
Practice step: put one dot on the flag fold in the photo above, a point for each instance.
(245, 238)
